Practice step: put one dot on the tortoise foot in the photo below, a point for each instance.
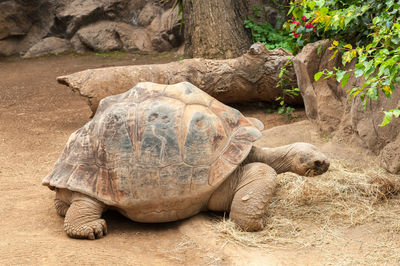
(91, 230)
(248, 224)
(82, 219)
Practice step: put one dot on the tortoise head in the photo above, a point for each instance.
(308, 160)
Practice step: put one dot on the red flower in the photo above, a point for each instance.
(296, 35)
(315, 30)
(309, 25)
(304, 18)
(296, 22)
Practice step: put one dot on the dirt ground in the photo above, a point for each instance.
(37, 115)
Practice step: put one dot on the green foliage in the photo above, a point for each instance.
(264, 32)
(389, 115)
(368, 31)
(284, 108)
(179, 4)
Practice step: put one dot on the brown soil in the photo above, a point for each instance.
(37, 115)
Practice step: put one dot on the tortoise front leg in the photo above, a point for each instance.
(252, 196)
(246, 194)
(82, 219)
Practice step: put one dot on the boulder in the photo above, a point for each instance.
(104, 36)
(100, 36)
(78, 46)
(24, 23)
(15, 19)
(133, 38)
(44, 26)
(166, 30)
(50, 45)
(148, 13)
(9, 46)
(83, 12)
(327, 104)
(250, 77)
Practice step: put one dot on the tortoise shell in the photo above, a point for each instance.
(154, 142)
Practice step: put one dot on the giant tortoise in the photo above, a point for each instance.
(160, 153)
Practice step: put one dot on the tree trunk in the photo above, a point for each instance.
(214, 28)
(248, 78)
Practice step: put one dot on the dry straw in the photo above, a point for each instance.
(311, 211)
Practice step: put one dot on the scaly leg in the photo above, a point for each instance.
(252, 196)
(246, 194)
(62, 201)
(61, 207)
(82, 219)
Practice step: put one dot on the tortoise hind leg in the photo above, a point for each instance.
(82, 219)
(61, 207)
(62, 201)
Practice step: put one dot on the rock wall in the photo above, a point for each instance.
(327, 104)
(87, 25)
(100, 25)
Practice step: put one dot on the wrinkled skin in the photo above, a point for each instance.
(246, 193)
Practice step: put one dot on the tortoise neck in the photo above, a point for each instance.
(279, 158)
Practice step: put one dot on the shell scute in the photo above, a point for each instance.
(219, 170)
(146, 183)
(188, 93)
(205, 135)
(175, 180)
(159, 131)
(200, 177)
(113, 141)
(144, 91)
(232, 118)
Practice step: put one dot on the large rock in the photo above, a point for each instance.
(100, 36)
(99, 25)
(148, 13)
(24, 23)
(83, 12)
(327, 104)
(107, 36)
(15, 19)
(9, 46)
(78, 46)
(166, 30)
(133, 38)
(50, 45)
(250, 77)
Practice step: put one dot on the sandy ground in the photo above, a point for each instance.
(37, 115)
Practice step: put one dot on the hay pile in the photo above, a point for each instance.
(313, 211)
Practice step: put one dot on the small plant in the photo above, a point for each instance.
(284, 108)
(264, 32)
